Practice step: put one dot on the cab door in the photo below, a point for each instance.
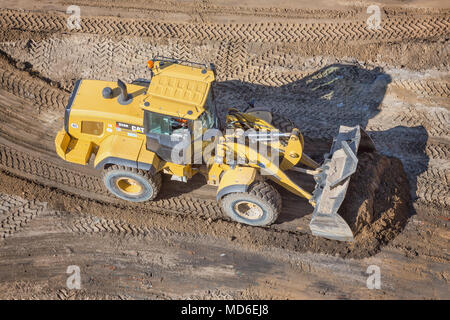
(169, 137)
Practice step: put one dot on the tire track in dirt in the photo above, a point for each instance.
(42, 95)
(434, 191)
(27, 164)
(15, 213)
(8, 202)
(429, 194)
(208, 8)
(46, 96)
(89, 224)
(432, 87)
(432, 181)
(232, 55)
(213, 9)
(436, 120)
(391, 30)
(118, 59)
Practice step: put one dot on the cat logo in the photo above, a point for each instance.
(130, 127)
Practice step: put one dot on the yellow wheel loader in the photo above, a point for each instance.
(168, 125)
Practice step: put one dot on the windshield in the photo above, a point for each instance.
(163, 124)
(207, 120)
(208, 117)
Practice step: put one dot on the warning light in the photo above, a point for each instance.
(150, 64)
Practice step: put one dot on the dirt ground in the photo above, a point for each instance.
(317, 63)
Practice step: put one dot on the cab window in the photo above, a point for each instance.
(209, 117)
(207, 120)
(163, 124)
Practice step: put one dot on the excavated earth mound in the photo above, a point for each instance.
(377, 205)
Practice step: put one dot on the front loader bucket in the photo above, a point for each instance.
(332, 183)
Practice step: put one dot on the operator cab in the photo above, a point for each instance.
(171, 137)
(179, 100)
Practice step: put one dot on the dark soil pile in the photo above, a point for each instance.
(377, 204)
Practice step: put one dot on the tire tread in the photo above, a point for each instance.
(154, 180)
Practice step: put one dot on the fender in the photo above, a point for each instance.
(118, 150)
(236, 180)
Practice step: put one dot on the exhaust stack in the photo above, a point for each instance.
(124, 98)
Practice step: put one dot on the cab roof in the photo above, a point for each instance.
(178, 90)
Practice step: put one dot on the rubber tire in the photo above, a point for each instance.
(281, 123)
(151, 184)
(284, 125)
(261, 193)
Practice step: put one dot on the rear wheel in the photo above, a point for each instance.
(259, 206)
(132, 184)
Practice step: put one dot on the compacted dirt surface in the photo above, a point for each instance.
(318, 64)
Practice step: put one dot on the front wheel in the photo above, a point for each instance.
(132, 184)
(259, 206)
(284, 125)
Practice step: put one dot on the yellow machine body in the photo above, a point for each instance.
(112, 131)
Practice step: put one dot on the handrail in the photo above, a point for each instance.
(179, 61)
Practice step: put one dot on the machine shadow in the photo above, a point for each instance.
(338, 94)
